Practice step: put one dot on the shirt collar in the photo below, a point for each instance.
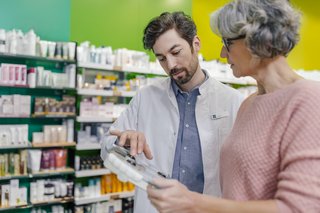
(176, 88)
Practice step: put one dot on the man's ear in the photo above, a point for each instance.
(196, 43)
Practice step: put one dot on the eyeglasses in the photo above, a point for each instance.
(228, 41)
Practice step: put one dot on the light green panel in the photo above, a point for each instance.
(118, 23)
(50, 19)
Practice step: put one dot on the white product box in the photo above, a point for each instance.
(116, 204)
(16, 104)
(14, 192)
(22, 196)
(5, 195)
(25, 105)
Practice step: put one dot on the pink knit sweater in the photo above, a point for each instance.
(273, 151)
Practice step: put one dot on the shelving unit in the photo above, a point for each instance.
(92, 173)
(95, 119)
(35, 123)
(106, 93)
(88, 146)
(53, 172)
(47, 145)
(88, 72)
(82, 201)
(54, 201)
(21, 206)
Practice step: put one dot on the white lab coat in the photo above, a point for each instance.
(154, 111)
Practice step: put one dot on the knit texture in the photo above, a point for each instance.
(273, 151)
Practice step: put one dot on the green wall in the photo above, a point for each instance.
(50, 19)
(118, 23)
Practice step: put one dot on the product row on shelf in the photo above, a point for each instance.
(16, 193)
(20, 106)
(16, 42)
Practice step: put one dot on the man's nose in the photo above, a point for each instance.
(171, 62)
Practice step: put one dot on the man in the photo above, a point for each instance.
(179, 122)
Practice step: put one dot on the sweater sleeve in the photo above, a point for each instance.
(299, 175)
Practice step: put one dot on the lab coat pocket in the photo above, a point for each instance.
(219, 120)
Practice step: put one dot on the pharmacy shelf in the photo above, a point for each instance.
(60, 115)
(15, 147)
(52, 172)
(9, 177)
(54, 201)
(20, 206)
(7, 86)
(88, 146)
(131, 69)
(95, 92)
(14, 116)
(118, 68)
(95, 119)
(38, 204)
(82, 201)
(39, 174)
(105, 93)
(60, 144)
(36, 58)
(95, 66)
(91, 173)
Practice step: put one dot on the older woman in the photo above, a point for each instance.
(271, 160)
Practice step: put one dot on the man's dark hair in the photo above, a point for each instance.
(179, 21)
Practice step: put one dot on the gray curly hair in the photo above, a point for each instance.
(270, 26)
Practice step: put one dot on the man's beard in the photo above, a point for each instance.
(184, 79)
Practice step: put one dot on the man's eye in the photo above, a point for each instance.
(176, 52)
(161, 59)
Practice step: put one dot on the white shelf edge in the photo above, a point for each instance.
(106, 93)
(95, 66)
(128, 93)
(82, 201)
(90, 173)
(94, 119)
(88, 146)
(17, 147)
(109, 67)
(95, 92)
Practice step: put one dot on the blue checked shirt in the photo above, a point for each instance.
(188, 166)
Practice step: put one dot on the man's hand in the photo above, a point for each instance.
(135, 140)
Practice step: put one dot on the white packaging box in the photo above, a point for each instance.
(16, 104)
(37, 137)
(5, 195)
(70, 129)
(105, 110)
(22, 196)
(25, 105)
(17, 75)
(14, 190)
(117, 205)
(85, 108)
(12, 70)
(7, 107)
(4, 73)
(24, 134)
(23, 75)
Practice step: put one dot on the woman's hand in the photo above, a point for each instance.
(171, 196)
